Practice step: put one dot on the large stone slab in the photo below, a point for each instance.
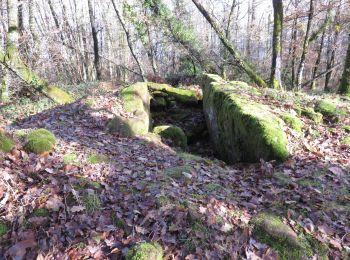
(136, 100)
(240, 129)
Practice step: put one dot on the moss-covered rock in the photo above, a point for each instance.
(158, 102)
(270, 229)
(293, 122)
(145, 251)
(241, 130)
(312, 115)
(136, 100)
(6, 143)
(40, 141)
(346, 141)
(185, 96)
(176, 134)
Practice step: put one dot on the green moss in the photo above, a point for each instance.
(241, 130)
(190, 157)
(158, 102)
(57, 94)
(293, 122)
(271, 230)
(186, 96)
(118, 222)
(40, 212)
(163, 201)
(326, 108)
(97, 158)
(346, 128)
(136, 100)
(145, 251)
(176, 134)
(212, 187)
(346, 141)
(6, 143)
(71, 159)
(311, 114)
(3, 228)
(40, 141)
(282, 178)
(310, 183)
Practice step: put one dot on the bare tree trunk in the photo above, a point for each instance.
(305, 45)
(275, 80)
(344, 88)
(332, 48)
(95, 41)
(294, 49)
(318, 61)
(128, 38)
(256, 78)
(31, 19)
(228, 36)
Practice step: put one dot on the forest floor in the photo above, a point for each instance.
(98, 194)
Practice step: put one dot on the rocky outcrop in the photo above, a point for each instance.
(240, 129)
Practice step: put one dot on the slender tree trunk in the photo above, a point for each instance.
(275, 80)
(95, 41)
(305, 46)
(344, 88)
(128, 38)
(318, 61)
(256, 78)
(228, 36)
(31, 19)
(294, 49)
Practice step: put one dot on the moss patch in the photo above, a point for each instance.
(71, 159)
(241, 130)
(311, 114)
(176, 134)
(92, 203)
(145, 251)
(345, 141)
(40, 141)
(293, 122)
(6, 143)
(326, 108)
(3, 228)
(177, 172)
(185, 96)
(271, 230)
(40, 212)
(97, 158)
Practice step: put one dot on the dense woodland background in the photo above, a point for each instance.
(72, 41)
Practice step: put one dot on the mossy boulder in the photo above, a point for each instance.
(40, 141)
(185, 96)
(270, 229)
(145, 251)
(6, 143)
(293, 122)
(136, 100)
(176, 134)
(312, 115)
(240, 129)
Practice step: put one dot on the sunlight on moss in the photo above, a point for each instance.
(97, 158)
(145, 251)
(6, 143)
(40, 141)
(70, 159)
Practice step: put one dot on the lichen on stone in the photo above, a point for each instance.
(293, 122)
(40, 141)
(6, 143)
(176, 134)
(145, 251)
